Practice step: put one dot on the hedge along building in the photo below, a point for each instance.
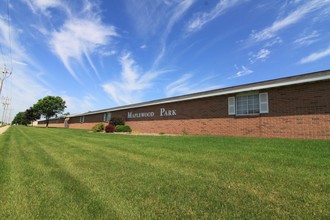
(291, 107)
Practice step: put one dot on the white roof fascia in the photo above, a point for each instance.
(230, 91)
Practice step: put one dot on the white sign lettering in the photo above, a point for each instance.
(140, 115)
(163, 113)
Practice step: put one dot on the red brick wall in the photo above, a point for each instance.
(303, 99)
(87, 126)
(52, 121)
(53, 125)
(303, 126)
(298, 111)
(88, 118)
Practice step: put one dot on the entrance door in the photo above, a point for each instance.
(66, 122)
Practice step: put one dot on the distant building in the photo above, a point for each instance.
(291, 107)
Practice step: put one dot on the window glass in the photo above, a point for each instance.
(242, 102)
(107, 116)
(248, 104)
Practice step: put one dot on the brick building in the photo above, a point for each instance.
(291, 107)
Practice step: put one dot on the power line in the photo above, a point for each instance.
(3, 55)
(2, 49)
(9, 31)
(10, 48)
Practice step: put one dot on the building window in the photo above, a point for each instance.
(107, 116)
(82, 119)
(249, 104)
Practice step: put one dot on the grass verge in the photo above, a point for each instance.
(65, 174)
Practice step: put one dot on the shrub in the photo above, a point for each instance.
(98, 127)
(117, 121)
(123, 128)
(109, 128)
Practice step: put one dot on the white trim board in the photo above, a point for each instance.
(294, 80)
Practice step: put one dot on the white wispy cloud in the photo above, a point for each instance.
(13, 48)
(185, 85)
(307, 39)
(179, 10)
(26, 88)
(26, 85)
(151, 17)
(43, 6)
(274, 41)
(78, 105)
(79, 38)
(241, 72)
(11, 44)
(315, 56)
(201, 19)
(146, 16)
(262, 55)
(72, 44)
(178, 87)
(292, 18)
(133, 82)
(157, 18)
(28, 81)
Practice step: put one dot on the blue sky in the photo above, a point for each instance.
(100, 54)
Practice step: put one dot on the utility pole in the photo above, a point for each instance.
(5, 75)
(5, 103)
(9, 116)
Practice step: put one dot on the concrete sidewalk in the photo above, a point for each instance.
(3, 129)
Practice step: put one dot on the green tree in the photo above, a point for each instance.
(49, 106)
(31, 114)
(20, 119)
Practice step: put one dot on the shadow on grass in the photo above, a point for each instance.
(71, 189)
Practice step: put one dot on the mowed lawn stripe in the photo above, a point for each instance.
(40, 187)
(120, 157)
(66, 174)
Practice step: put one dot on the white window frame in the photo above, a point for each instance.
(247, 104)
(82, 119)
(263, 104)
(232, 105)
(107, 116)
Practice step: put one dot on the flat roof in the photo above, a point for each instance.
(286, 81)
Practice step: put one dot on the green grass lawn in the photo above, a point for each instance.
(74, 174)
